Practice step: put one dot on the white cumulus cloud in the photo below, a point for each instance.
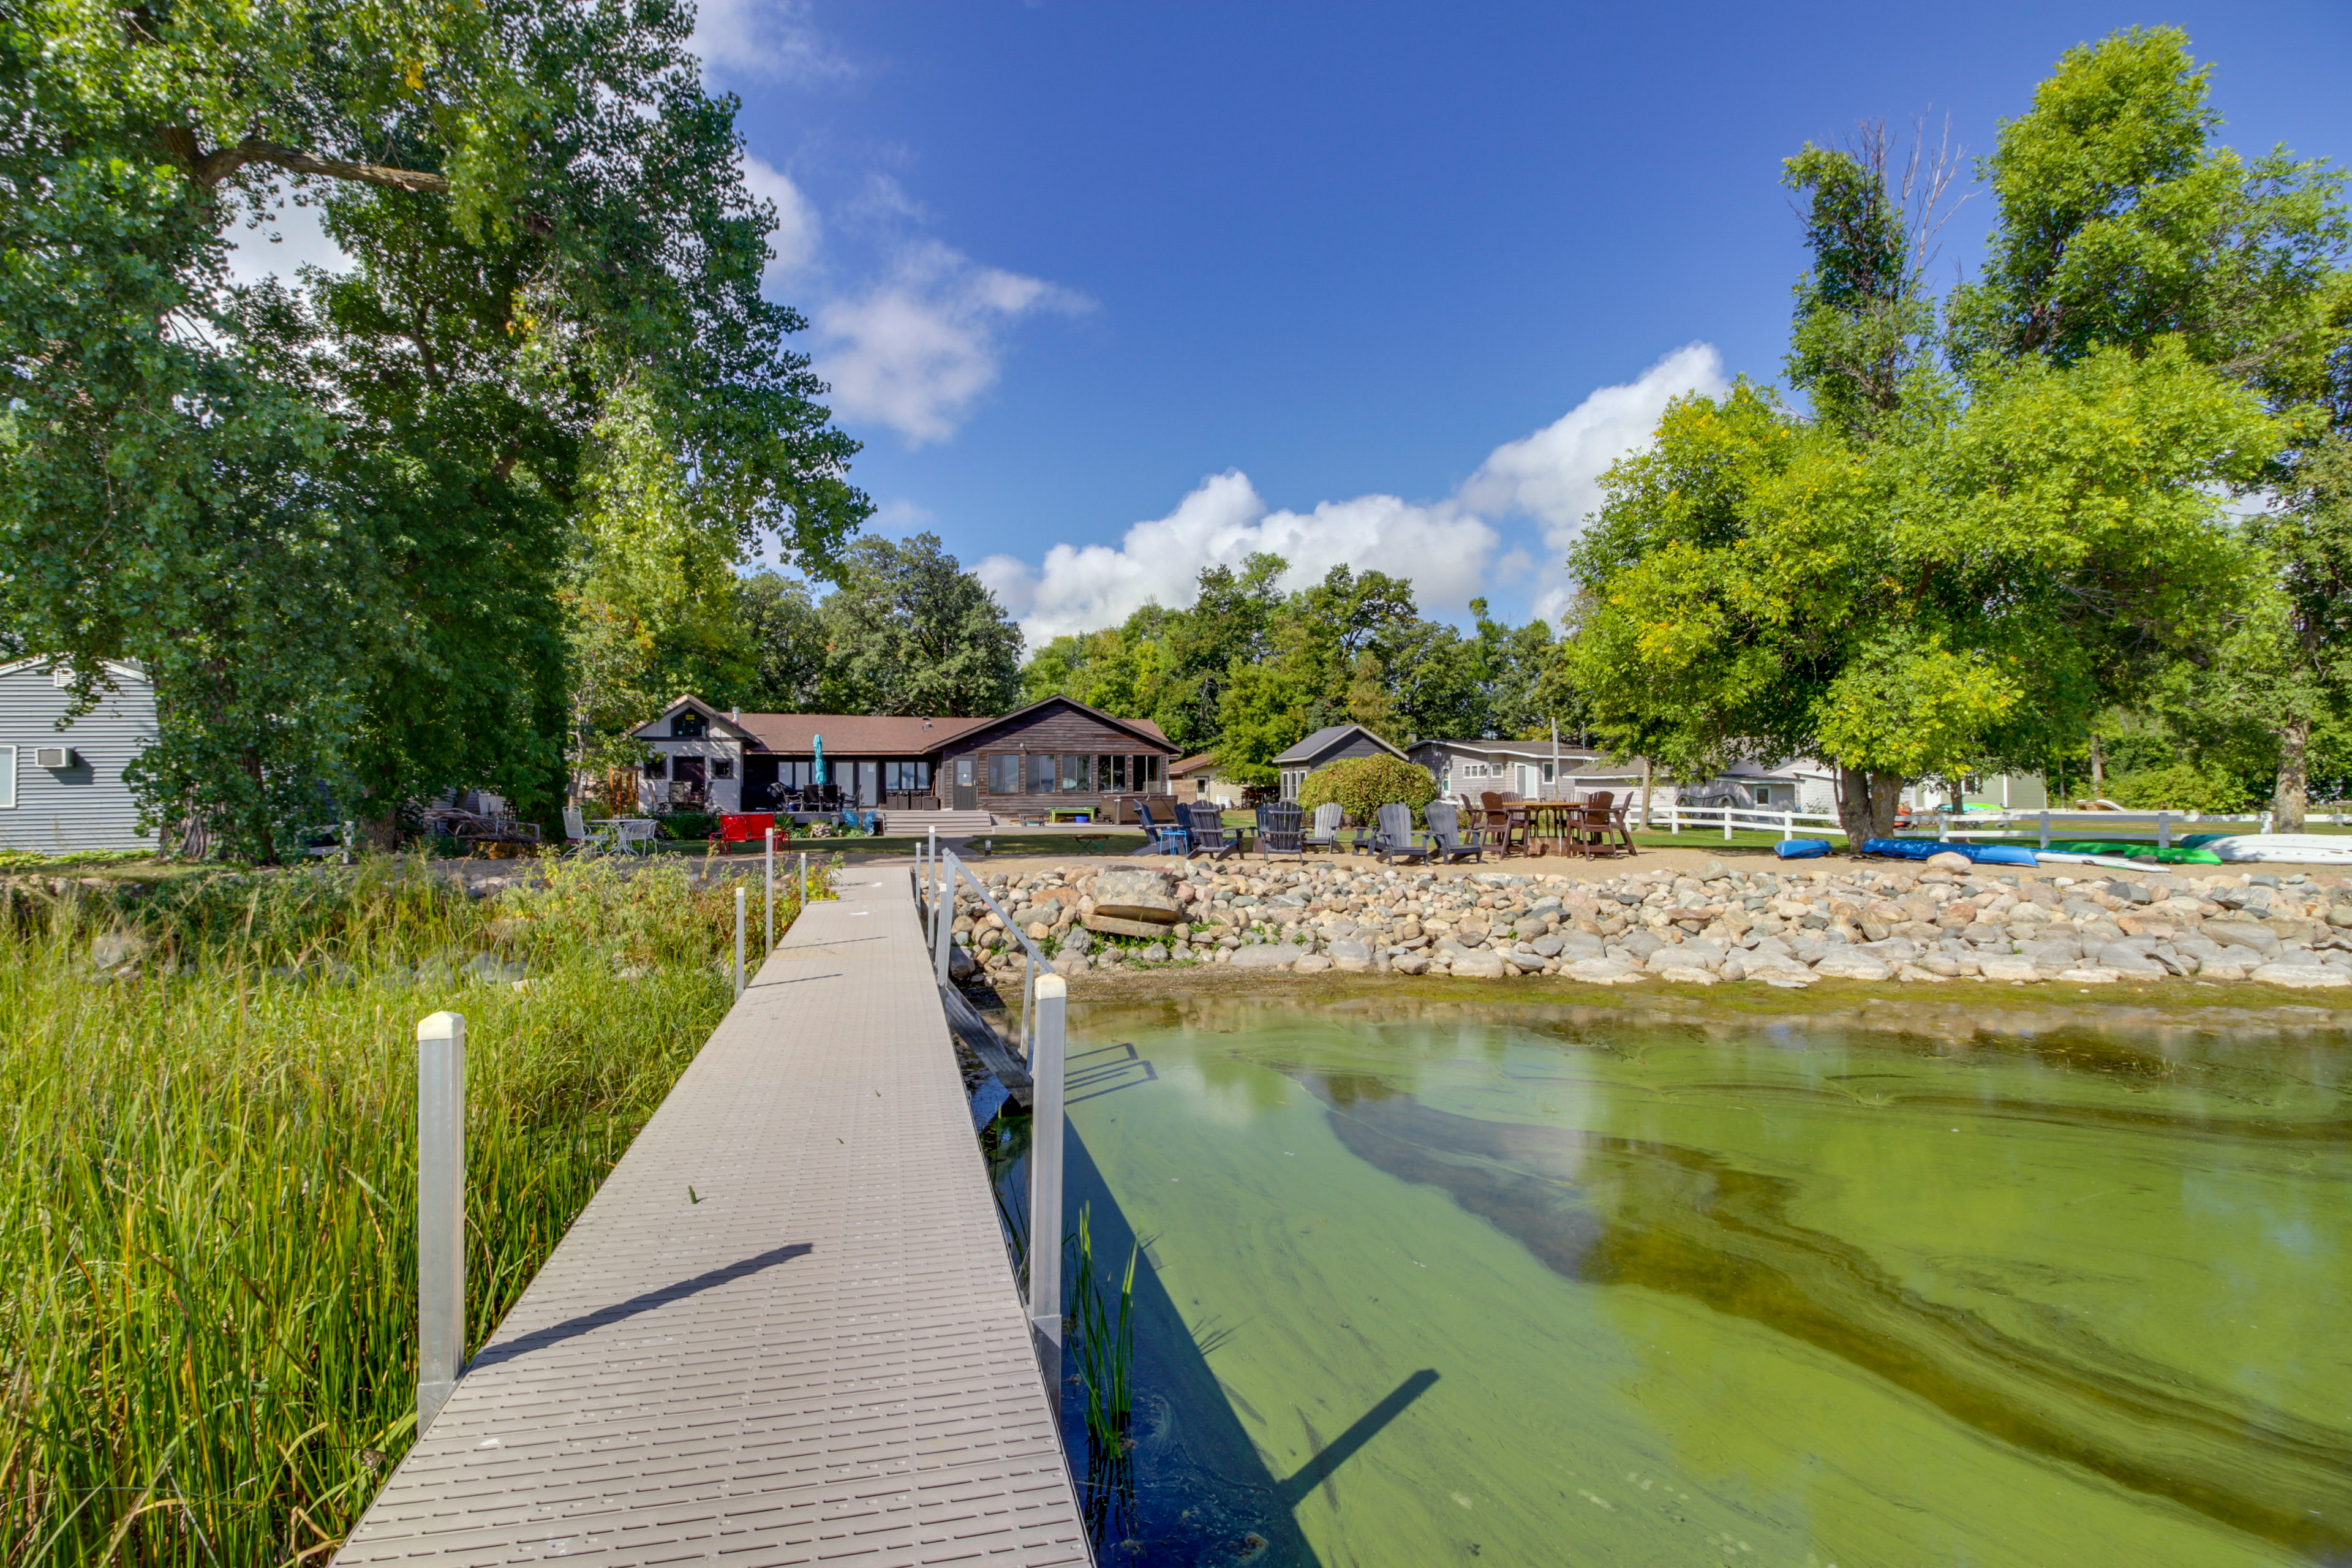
(797, 231)
(1451, 549)
(772, 38)
(913, 351)
(1554, 474)
(1079, 587)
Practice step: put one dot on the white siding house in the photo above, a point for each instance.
(64, 790)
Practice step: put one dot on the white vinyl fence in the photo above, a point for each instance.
(2043, 825)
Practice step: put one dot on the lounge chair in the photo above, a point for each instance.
(1281, 831)
(1204, 826)
(1396, 837)
(1325, 834)
(1168, 839)
(1447, 842)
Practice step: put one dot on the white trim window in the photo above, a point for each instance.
(8, 778)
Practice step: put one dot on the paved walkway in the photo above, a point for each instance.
(816, 1355)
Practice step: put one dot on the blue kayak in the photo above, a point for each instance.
(1921, 848)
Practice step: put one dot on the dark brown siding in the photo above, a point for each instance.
(1058, 732)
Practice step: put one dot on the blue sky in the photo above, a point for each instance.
(1111, 291)
(1213, 267)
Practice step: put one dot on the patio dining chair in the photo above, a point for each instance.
(1325, 834)
(1447, 841)
(635, 834)
(1204, 824)
(1281, 831)
(1494, 815)
(1396, 837)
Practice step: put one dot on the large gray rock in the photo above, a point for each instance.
(1078, 940)
(2053, 952)
(1574, 943)
(1137, 894)
(1410, 963)
(1641, 943)
(1850, 963)
(1351, 955)
(2302, 976)
(1483, 964)
(1689, 955)
(1601, 970)
(1761, 960)
(1313, 963)
(2008, 966)
(1071, 963)
(1267, 954)
(2126, 958)
(2243, 934)
(1547, 946)
(1892, 950)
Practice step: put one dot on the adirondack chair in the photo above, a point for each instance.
(1280, 831)
(1447, 841)
(1325, 834)
(1164, 839)
(1204, 825)
(1396, 836)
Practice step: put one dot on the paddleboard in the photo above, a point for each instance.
(2289, 848)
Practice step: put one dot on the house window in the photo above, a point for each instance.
(1147, 774)
(688, 726)
(908, 778)
(8, 778)
(1041, 775)
(722, 767)
(1077, 773)
(1004, 773)
(657, 766)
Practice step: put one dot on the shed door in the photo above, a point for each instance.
(967, 785)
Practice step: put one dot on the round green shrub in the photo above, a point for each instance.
(1362, 785)
(2179, 786)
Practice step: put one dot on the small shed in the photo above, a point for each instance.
(1332, 744)
(63, 790)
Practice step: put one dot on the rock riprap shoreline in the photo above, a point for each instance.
(1780, 926)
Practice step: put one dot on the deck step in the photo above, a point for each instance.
(897, 824)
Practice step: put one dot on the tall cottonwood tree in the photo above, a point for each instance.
(335, 521)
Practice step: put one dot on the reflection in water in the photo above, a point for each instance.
(1493, 1285)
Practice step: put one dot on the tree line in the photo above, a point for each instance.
(1248, 670)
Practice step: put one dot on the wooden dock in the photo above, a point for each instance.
(784, 1330)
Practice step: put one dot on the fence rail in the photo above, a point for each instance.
(2043, 825)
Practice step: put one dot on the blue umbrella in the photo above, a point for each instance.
(820, 759)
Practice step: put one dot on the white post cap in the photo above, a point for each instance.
(440, 1026)
(1052, 985)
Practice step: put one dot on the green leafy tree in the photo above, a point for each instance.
(788, 637)
(909, 631)
(345, 525)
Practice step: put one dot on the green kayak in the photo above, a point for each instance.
(2182, 853)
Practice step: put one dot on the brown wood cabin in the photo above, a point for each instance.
(1056, 754)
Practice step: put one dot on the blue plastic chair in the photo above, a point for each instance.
(1163, 839)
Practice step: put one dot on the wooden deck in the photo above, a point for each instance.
(785, 1330)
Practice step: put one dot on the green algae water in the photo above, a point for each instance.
(1429, 1283)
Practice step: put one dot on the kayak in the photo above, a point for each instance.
(2288, 848)
(2190, 851)
(1921, 848)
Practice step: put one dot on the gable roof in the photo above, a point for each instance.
(1143, 730)
(868, 734)
(1194, 763)
(1330, 736)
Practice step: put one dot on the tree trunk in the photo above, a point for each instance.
(1645, 795)
(1866, 804)
(2098, 772)
(2294, 776)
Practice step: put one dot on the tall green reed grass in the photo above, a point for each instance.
(207, 1178)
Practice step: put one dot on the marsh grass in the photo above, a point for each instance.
(208, 1185)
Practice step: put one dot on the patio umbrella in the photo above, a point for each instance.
(819, 758)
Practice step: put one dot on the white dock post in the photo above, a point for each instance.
(943, 920)
(2045, 829)
(738, 940)
(440, 1211)
(1726, 822)
(804, 878)
(1045, 1180)
(933, 859)
(2163, 830)
(1788, 826)
(770, 894)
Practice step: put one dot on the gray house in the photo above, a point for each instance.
(1333, 743)
(63, 789)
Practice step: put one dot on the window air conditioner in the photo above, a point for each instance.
(53, 756)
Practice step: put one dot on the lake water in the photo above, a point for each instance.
(1428, 1283)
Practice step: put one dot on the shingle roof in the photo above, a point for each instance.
(1323, 739)
(872, 734)
(1193, 763)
